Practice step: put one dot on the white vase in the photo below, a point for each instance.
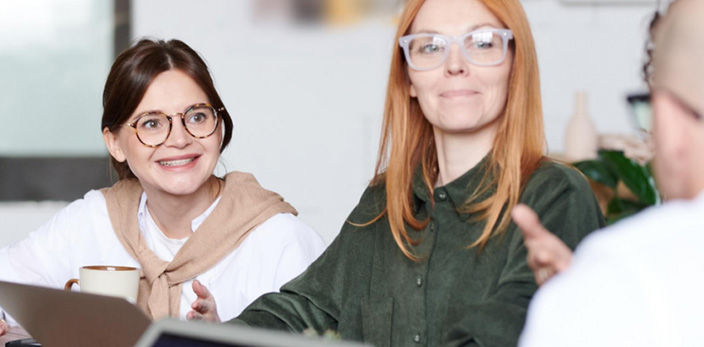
(580, 135)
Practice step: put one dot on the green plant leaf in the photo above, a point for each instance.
(615, 207)
(596, 171)
(618, 205)
(634, 176)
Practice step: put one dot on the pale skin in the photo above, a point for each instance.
(177, 194)
(461, 101)
(547, 254)
(204, 308)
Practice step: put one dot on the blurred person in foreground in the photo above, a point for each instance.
(638, 283)
(429, 257)
(165, 126)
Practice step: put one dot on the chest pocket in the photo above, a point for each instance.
(377, 320)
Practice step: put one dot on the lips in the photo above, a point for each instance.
(458, 93)
(173, 162)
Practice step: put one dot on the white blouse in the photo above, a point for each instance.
(81, 234)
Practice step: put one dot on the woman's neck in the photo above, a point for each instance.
(459, 152)
(174, 214)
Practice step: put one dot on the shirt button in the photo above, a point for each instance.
(419, 281)
(432, 226)
(442, 195)
(416, 338)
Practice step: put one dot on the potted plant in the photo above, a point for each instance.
(630, 186)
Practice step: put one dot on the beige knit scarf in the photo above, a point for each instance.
(243, 206)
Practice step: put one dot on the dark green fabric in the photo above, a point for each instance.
(367, 290)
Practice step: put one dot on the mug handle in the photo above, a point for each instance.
(70, 283)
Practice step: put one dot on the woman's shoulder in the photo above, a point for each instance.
(371, 204)
(82, 216)
(92, 204)
(564, 200)
(553, 175)
(285, 229)
(286, 225)
(280, 248)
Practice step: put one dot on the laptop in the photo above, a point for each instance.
(61, 318)
(174, 333)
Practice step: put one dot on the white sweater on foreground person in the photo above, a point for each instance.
(637, 283)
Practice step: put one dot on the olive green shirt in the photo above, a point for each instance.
(364, 288)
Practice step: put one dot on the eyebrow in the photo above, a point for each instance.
(470, 29)
(138, 114)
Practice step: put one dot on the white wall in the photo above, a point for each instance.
(307, 102)
(17, 219)
(596, 48)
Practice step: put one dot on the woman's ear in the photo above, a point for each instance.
(412, 91)
(112, 143)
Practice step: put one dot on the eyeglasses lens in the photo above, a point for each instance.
(154, 128)
(483, 47)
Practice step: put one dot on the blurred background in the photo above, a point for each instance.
(304, 81)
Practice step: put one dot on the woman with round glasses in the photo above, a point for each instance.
(429, 255)
(165, 126)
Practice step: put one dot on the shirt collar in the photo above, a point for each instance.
(457, 191)
(195, 223)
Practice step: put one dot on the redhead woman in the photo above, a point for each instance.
(165, 126)
(429, 256)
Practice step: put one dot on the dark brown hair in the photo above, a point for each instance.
(647, 69)
(133, 72)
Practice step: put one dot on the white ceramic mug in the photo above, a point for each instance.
(120, 281)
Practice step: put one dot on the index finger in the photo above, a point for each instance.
(200, 290)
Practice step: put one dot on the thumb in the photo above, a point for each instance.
(527, 221)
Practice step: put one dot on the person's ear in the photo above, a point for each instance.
(412, 91)
(113, 145)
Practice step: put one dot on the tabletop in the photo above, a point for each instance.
(15, 333)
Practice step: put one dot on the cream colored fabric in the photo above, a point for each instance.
(243, 206)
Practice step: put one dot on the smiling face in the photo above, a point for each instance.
(458, 97)
(182, 164)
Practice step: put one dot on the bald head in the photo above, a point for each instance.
(678, 61)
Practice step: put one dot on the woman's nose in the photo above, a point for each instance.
(456, 63)
(179, 136)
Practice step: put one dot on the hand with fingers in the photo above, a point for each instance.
(204, 308)
(547, 254)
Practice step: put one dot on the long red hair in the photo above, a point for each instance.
(407, 137)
